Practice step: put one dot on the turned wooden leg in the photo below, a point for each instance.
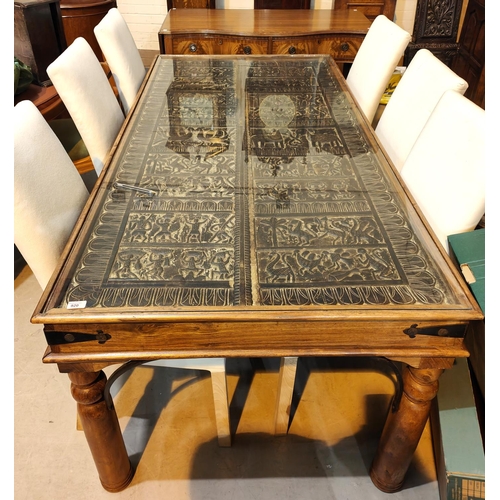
(404, 428)
(288, 369)
(102, 430)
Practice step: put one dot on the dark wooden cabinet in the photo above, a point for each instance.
(80, 17)
(281, 4)
(38, 35)
(435, 29)
(190, 4)
(469, 61)
(370, 8)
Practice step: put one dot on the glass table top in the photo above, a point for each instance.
(260, 184)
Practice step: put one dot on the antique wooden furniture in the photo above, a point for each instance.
(247, 210)
(38, 35)
(190, 4)
(412, 102)
(446, 168)
(282, 4)
(80, 17)
(375, 62)
(370, 8)
(49, 194)
(469, 61)
(239, 31)
(435, 29)
(89, 98)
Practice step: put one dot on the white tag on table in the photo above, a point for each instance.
(77, 304)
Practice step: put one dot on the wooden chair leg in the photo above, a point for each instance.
(288, 369)
(221, 403)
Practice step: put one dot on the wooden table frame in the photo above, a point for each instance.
(84, 341)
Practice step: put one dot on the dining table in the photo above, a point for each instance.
(247, 209)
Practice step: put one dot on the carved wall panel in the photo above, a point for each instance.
(435, 29)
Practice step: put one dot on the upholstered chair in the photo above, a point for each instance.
(374, 64)
(445, 169)
(412, 102)
(49, 193)
(87, 94)
(122, 56)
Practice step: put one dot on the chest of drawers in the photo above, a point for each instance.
(263, 31)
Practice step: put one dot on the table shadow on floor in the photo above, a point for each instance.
(258, 455)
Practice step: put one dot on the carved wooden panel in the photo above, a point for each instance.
(370, 8)
(436, 29)
(469, 62)
(437, 21)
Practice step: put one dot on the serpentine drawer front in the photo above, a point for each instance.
(218, 45)
(260, 32)
(341, 48)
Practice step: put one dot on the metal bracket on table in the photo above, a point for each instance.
(57, 338)
(455, 331)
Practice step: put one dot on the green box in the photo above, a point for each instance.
(468, 252)
(458, 445)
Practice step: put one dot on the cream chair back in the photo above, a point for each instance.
(445, 170)
(417, 93)
(84, 89)
(374, 64)
(122, 56)
(49, 193)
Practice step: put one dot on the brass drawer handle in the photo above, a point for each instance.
(193, 47)
(247, 49)
(292, 50)
(344, 47)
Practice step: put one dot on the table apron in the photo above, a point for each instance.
(127, 341)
